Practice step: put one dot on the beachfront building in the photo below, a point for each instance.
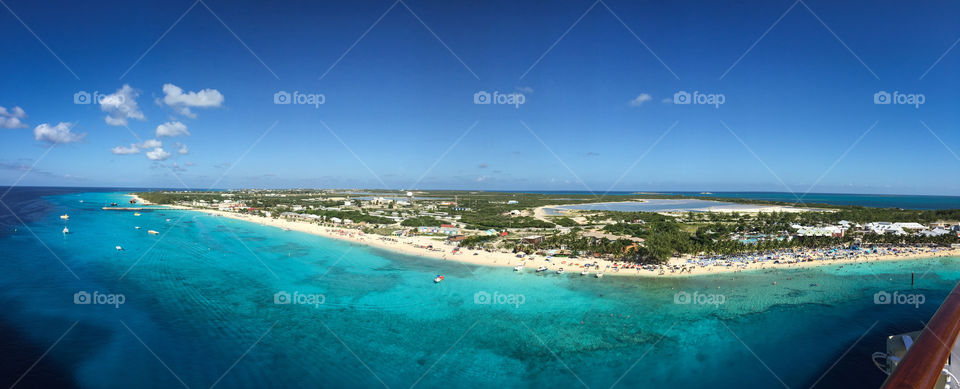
(445, 229)
(833, 231)
(300, 216)
(533, 239)
(939, 231)
(882, 228)
(910, 226)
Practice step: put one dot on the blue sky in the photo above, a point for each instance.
(598, 110)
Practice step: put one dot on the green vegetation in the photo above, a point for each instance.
(484, 221)
(421, 221)
(566, 222)
(356, 216)
(476, 240)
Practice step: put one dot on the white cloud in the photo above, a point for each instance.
(157, 154)
(115, 121)
(185, 111)
(56, 134)
(15, 112)
(121, 150)
(183, 150)
(151, 144)
(667, 100)
(642, 98)
(181, 102)
(11, 118)
(121, 105)
(525, 89)
(172, 129)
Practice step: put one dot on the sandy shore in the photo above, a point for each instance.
(438, 248)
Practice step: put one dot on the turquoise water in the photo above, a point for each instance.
(200, 309)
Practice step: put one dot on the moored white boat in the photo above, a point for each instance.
(65, 217)
(66, 230)
(438, 279)
(541, 268)
(599, 275)
(560, 271)
(152, 232)
(518, 268)
(119, 248)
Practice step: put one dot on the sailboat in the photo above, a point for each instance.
(66, 230)
(64, 217)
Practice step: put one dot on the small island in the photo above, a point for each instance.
(591, 234)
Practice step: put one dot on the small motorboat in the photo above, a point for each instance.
(136, 227)
(119, 248)
(438, 279)
(518, 268)
(152, 232)
(66, 230)
(585, 272)
(168, 220)
(113, 204)
(560, 271)
(541, 269)
(599, 275)
(136, 214)
(65, 217)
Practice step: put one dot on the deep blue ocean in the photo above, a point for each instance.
(200, 309)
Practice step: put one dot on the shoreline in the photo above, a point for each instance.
(430, 247)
